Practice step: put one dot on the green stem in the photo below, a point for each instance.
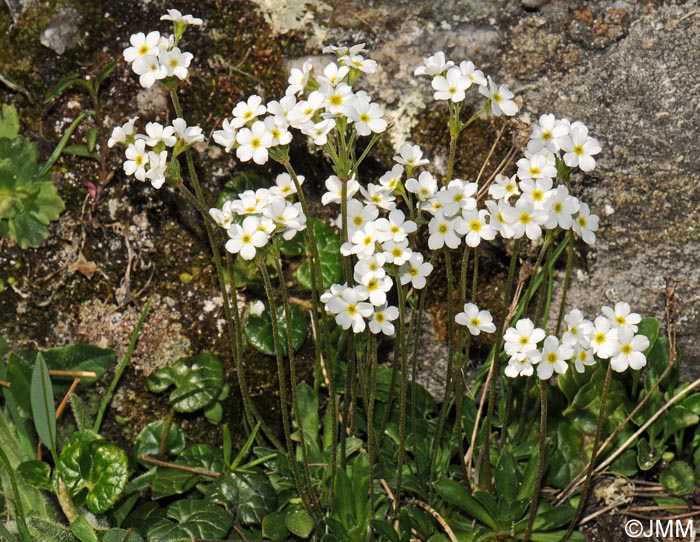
(371, 436)
(282, 382)
(122, 367)
(567, 279)
(594, 455)
(166, 430)
(540, 461)
(401, 341)
(293, 379)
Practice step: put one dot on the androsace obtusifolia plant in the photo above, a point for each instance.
(389, 463)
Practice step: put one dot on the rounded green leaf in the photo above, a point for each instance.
(248, 495)
(678, 479)
(328, 243)
(258, 330)
(198, 381)
(191, 519)
(80, 357)
(147, 442)
(300, 523)
(273, 527)
(90, 463)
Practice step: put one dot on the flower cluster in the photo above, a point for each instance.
(612, 335)
(314, 104)
(451, 82)
(147, 154)
(154, 56)
(255, 216)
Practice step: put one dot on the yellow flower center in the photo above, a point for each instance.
(626, 349)
(357, 220)
(143, 50)
(475, 322)
(442, 228)
(255, 142)
(552, 357)
(475, 226)
(599, 338)
(351, 310)
(525, 218)
(246, 238)
(335, 100)
(379, 317)
(578, 150)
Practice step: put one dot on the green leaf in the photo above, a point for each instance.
(168, 482)
(198, 381)
(203, 457)
(105, 73)
(506, 475)
(81, 150)
(215, 413)
(9, 122)
(43, 408)
(83, 530)
(678, 479)
(189, 519)
(36, 473)
(238, 184)
(300, 523)
(90, 463)
(647, 456)
(328, 243)
(625, 464)
(273, 527)
(28, 197)
(459, 496)
(649, 327)
(120, 535)
(258, 330)
(80, 412)
(385, 529)
(250, 496)
(62, 85)
(80, 357)
(147, 442)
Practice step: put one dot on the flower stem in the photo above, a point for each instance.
(567, 279)
(540, 461)
(594, 454)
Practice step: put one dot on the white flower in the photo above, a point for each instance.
(375, 289)
(553, 359)
(365, 65)
(579, 148)
(395, 227)
(548, 134)
(475, 320)
(254, 142)
(284, 185)
(336, 98)
(622, 316)
(120, 134)
(536, 166)
(286, 216)
(137, 160)
(391, 179)
(251, 203)
(535, 191)
(158, 164)
(318, 132)
(333, 298)
(604, 339)
(280, 109)
(500, 97)
(335, 190)
(359, 214)
(628, 351)
(579, 330)
(425, 187)
(367, 116)
(475, 227)
(175, 16)
(560, 208)
(372, 267)
(149, 69)
(442, 231)
(362, 243)
(410, 155)
(158, 133)
(523, 338)
(187, 134)
(299, 78)
(525, 219)
(142, 45)
(585, 224)
(227, 136)
(279, 132)
(256, 308)
(332, 74)
(176, 62)
(520, 365)
(377, 195)
(342, 50)
(382, 318)
(224, 217)
(397, 253)
(583, 357)
(451, 86)
(434, 65)
(504, 187)
(457, 196)
(470, 72)
(353, 311)
(246, 238)
(244, 112)
(303, 111)
(500, 218)
(415, 271)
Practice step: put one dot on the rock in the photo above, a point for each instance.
(152, 101)
(533, 4)
(62, 32)
(16, 7)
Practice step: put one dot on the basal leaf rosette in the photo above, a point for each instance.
(28, 198)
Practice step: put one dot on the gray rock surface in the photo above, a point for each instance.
(627, 69)
(62, 33)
